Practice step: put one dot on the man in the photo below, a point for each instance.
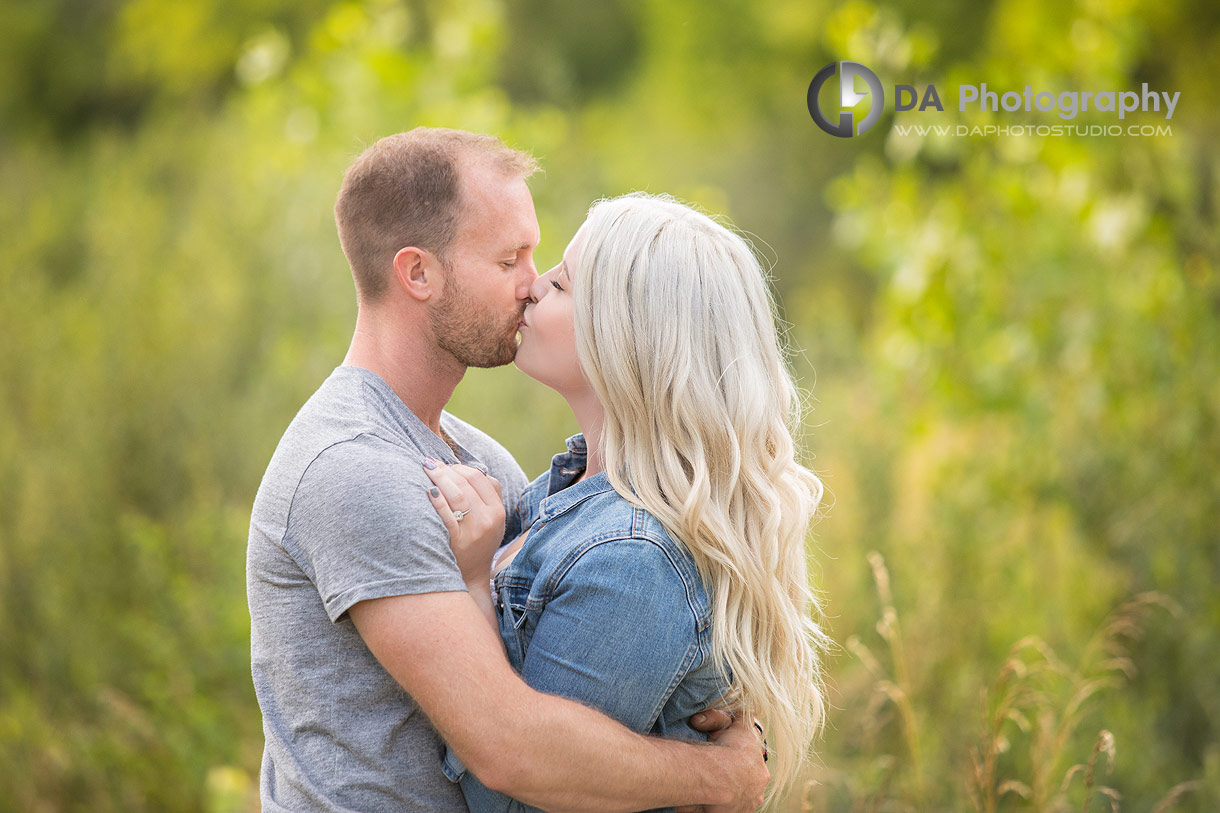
(364, 641)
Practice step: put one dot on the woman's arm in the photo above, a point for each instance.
(587, 580)
(618, 636)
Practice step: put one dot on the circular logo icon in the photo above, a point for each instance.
(849, 97)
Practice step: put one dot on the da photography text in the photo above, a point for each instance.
(856, 82)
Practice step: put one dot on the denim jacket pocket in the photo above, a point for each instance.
(513, 617)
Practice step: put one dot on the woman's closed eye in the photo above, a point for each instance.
(555, 284)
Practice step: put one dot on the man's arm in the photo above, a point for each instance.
(544, 750)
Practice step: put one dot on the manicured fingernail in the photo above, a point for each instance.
(434, 491)
(429, 463)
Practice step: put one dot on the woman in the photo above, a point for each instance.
(664, 570)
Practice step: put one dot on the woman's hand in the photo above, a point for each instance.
(469, 503)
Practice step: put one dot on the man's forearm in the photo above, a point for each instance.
(544, 750)
(574, 758)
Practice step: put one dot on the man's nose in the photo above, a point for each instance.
(529, 278)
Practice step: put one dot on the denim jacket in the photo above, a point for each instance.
(602, 606)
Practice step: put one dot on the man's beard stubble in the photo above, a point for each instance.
(472, 335)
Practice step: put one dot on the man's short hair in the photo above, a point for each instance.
(405, 191)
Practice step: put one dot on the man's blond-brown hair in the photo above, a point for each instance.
(405, 190)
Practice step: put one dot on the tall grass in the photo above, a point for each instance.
(1034, 714)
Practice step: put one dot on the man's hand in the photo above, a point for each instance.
(750, 779)
(747, 776)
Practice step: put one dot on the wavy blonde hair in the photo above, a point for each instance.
(676, 332)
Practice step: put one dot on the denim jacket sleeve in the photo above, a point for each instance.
(618, 634)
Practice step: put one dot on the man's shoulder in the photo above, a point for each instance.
(361, 459)
(336, 441)
(336, 411)
(351, 404)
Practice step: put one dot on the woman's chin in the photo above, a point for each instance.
(523, 363)
(532, 369)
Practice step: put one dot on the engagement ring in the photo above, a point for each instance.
(460, 515)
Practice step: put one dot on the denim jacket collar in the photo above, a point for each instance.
(563, 489)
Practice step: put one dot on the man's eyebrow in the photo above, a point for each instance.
(516, 249)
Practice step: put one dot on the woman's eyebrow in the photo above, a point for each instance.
(563, 270)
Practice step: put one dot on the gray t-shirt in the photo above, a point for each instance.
(343, 516)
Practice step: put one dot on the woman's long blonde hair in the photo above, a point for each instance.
(676, 332)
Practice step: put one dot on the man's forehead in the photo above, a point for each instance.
(484, 184)
(513, 234)
(500, 210)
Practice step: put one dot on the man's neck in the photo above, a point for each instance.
(421, 374)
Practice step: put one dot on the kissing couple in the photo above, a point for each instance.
(430, 631)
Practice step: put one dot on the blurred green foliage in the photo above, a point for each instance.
(1016, 342)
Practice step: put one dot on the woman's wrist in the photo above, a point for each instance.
(480, 592)
(481, 582)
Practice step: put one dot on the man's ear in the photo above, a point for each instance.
(416, 272)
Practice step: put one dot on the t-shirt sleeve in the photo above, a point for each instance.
(361, 526)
